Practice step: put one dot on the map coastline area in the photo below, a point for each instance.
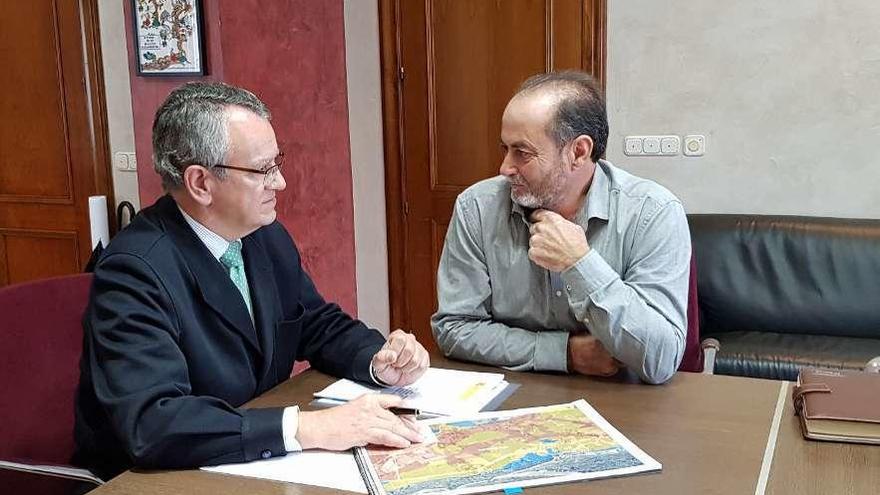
(497, 450)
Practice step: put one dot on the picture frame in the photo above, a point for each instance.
(168, 37)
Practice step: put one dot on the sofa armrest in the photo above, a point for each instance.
(710, 347)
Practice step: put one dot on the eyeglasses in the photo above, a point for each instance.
(269, 173)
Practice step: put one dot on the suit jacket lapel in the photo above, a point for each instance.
(213, 280)
(265, 300)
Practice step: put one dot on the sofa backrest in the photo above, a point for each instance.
(787, 274)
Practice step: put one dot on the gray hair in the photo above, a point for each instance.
(580, 109)
(191, 128)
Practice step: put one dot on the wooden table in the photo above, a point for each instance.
(713, 434)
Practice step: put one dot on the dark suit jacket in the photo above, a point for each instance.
(170, 352)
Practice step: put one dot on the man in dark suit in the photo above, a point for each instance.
(201, 304)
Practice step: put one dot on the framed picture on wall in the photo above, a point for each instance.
(168, 37)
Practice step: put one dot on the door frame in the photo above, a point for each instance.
(95, 90)
(395, 183)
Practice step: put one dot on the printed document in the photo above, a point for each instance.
(439, 391)
(494, 451)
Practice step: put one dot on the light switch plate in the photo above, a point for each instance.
(120, 161)
(694, 145)
(132, 161)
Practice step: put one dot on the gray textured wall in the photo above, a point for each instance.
(117, 90)
(367, 160)
(787, 93)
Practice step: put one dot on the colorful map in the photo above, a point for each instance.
(519, 448)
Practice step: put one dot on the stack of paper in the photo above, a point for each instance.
(439, 391)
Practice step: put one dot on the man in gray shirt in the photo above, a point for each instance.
(564, 262)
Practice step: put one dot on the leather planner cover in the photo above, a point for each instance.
(838, 405)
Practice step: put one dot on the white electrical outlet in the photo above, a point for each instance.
(125, 161)
(694, 145)
(632, 146)
(651, 145)
(663, 145)
(669, 145)
(132, 161)
(120, 161)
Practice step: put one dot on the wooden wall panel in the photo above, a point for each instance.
(53, 136)
(478, 53)
(55, 250)
(32, 104)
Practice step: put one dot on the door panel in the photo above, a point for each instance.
(458, 63)
(477, 54)
(57, 252)
(37, 94)
(50, 144)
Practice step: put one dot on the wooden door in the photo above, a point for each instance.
(52, 136)
(449, 68)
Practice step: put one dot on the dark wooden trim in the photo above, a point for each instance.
(394, 180)
(598, 39)
(98, 106)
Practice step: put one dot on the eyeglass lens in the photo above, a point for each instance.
(275, 169)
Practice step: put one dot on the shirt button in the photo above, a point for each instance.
(559, 293)
(266, 454)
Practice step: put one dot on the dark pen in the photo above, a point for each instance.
(404, 411)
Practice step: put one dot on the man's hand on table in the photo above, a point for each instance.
(587, 356)
(365, 420)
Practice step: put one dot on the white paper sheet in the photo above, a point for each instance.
(440, 391)
(313, 467)
(69, 472)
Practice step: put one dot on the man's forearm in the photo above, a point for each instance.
(641, 325)
(638, 336)
(491, 342)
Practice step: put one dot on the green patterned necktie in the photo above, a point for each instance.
(232, 260)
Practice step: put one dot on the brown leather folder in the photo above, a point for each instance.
(838, 405)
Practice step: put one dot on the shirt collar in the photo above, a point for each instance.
(518, 209)
(598, 200)
(215, 243)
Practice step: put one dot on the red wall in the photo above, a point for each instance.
(292, 55)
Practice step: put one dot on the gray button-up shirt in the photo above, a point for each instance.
(630, 290)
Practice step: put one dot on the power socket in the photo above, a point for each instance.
(632, 146)
(670, 145)
(662, 145)
(125, 161)
(651, 145)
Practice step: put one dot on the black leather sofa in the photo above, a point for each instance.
(782, 292)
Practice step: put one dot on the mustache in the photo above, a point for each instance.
(516, 182)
